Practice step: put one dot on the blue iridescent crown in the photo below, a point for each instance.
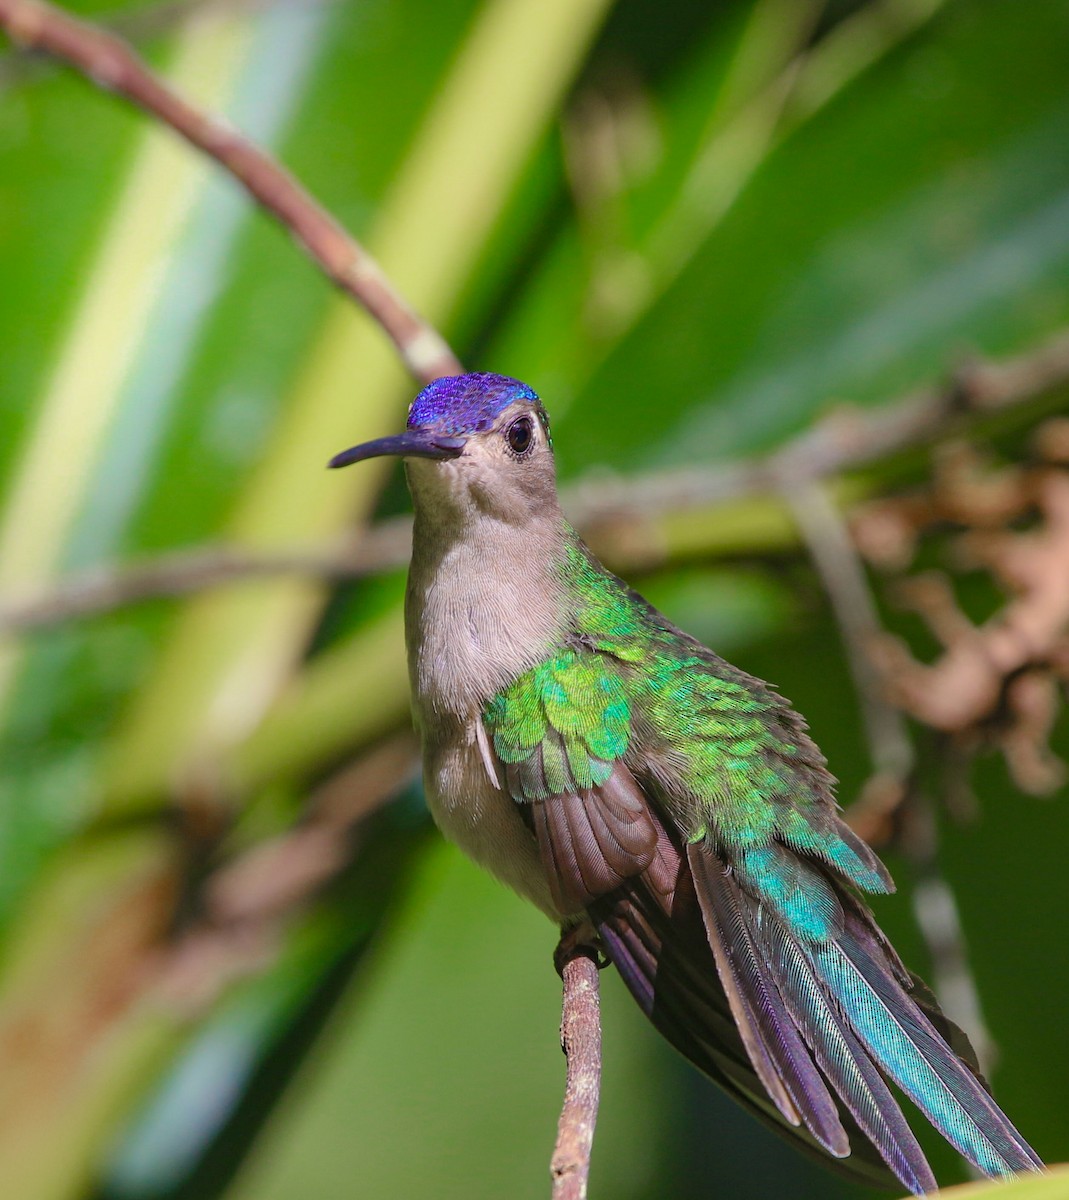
(459, 404)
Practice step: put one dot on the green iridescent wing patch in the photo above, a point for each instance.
(559, 728)
(561, 731)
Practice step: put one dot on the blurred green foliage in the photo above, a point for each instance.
(694, 228)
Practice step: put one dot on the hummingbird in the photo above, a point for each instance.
(641, 790)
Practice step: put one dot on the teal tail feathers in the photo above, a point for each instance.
(806, 1032)
(909, 1050)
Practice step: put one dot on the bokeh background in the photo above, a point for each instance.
(227, 968)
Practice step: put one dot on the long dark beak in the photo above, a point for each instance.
(415, 443)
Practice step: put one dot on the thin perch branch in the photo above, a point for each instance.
(580, 1039)
(110, 63)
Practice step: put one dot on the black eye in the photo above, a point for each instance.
(520, 434)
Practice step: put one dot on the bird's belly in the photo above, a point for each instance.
(484, 821)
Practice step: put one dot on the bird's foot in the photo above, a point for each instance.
(577, 940)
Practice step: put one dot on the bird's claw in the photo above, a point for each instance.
(581, 939)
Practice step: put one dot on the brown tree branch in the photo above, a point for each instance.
(96, 591)
(842, 442)
(846, 440)
(136, 24)
(580, 1039)
(892, 785)
(841, 571)
(110, 63)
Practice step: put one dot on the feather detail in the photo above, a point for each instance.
(683, 805)
(782, 1062)
(907, 1047)
(819, 956)
(845, 1062)
(591, 841)
(485, 754)
(664, 958)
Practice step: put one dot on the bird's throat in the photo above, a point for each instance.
(485, 603)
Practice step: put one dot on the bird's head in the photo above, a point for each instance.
(476, 443)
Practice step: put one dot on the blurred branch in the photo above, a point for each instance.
(138, 24)
(110, 63)
(936, 909)
(842, 573)
(580, 1039)
(183, 572)
(245, 904)
(890, 797)
(846, 440)
(840, 568)
(620, 514)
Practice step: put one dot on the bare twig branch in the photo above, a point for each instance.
(839, 444)
(847, 440)
(580, 1039)
(843, 575)
(111, 64)
(892, 786)
(136, 24)
(182, 572)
